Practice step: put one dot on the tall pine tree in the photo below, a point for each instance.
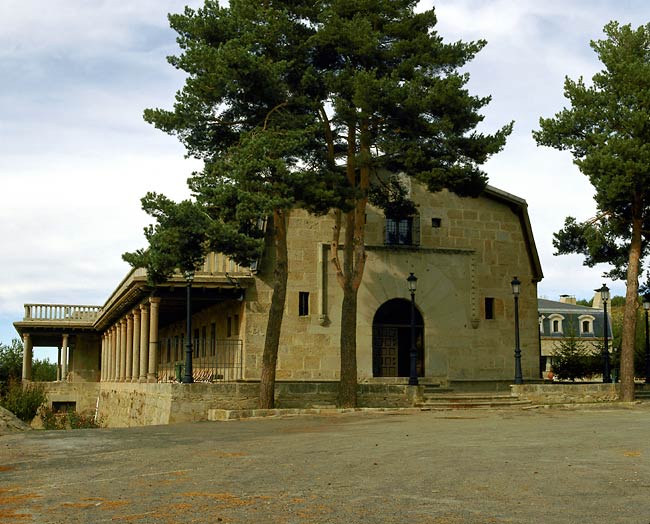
(395, 101)
(249, 111)
(606, 130)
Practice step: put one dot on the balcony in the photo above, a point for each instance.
(61, 313)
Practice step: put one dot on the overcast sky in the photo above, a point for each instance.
(76, 155)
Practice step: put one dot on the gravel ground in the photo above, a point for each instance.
(471, 466)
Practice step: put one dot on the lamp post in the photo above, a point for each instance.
(646, 307)
(604, 295)
(516, 289)
(413, 376)
(187, 375)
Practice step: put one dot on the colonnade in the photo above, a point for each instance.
(62, 363)
(130, 346)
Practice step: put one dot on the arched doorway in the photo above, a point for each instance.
(391, 339)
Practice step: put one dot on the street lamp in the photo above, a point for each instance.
(187, 375)
(604, 295)
(413, 376)
(516, 289)
(646, 307)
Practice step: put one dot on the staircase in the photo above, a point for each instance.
(642, 394)
(440, 399)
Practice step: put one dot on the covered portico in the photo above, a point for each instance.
(121, 340)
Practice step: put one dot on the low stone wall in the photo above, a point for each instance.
(83, 394)
(142, 404)
(565, 393)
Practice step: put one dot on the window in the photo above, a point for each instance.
(303, 303)
(236, 325)
(213, 338)
(436, 222)
(489, 308)
(586, 324)
(196, 342)
(229, 327)
(204, 335)
(399, 231)
(556, 324)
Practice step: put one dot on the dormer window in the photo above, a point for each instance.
(586, 325)
(555, 321)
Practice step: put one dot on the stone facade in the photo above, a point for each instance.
(464, 252)
(466, 260)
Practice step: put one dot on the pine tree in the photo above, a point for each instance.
(606, 130)
(398, 103)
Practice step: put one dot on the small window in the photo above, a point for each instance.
(63, 406)
(204, 335)
(585, 326)
(489, 308)
(303, 303)
(229, 327)
(556, 326)
(436, 222)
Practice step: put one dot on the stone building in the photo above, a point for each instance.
(562, 320)
(464, 252)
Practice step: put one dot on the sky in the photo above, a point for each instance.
(76, 155)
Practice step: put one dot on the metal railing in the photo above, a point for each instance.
(213, 360)
(61, 312)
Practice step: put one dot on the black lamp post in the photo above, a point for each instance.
(516, 289)
(604, 295)
(413, 376)
(646, 307)
(187, 375)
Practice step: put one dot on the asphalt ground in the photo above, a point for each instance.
(470, 466)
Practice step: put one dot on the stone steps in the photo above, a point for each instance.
(449, 401)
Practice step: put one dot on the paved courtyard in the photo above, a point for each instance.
(510, 466)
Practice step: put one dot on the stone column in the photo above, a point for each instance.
(27, 357)
(144, 342)
(136, 345)
(102, 356)
(58, 365)
(64, 358)
(122, 350)
(119, 358)
(115, 360)
(129, 348)
(153, 340)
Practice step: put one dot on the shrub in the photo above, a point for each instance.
(573, 360)
(67, 420)
(23, 401)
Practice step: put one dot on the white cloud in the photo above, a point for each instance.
(76, 156)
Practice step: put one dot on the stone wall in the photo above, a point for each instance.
(567, 393)
(83, 394)
(134, 404)
(472, 253)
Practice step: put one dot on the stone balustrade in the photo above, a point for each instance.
(61, 312)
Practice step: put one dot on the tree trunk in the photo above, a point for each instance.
(631, 306)
(353, 266)
(276, 311)
(348, 380)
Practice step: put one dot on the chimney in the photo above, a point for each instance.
(568, 299)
